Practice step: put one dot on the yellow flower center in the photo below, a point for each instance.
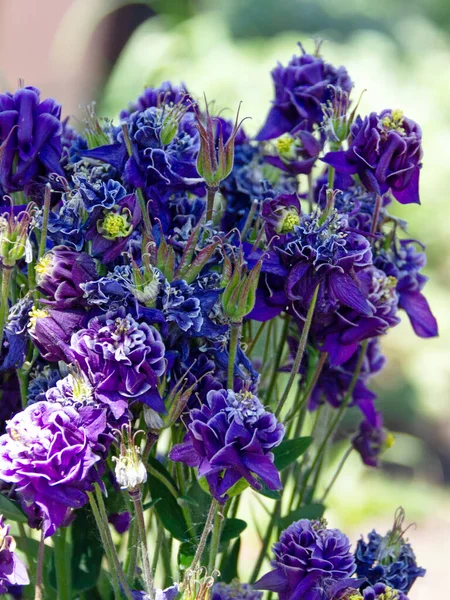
(394, 121)
(291, 220)
(115, 225)
(285, 146)
(35, 314)
(388, 594)
(44, 266)
(390, 440)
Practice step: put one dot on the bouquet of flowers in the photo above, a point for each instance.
(186, 316)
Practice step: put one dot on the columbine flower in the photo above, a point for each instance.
(166, 94)
(167, 594)
(60, 274)
(379, 591)
(122, 359)
(51, 330)
(234, 591)
(12, 569)
(301, 90)
(52, 454)
(385, 151)
(295, 154)
(16, 334)
(388, 559)
(14, 237)
(74, 390)
(130, 471)
(99, 194)
(231, 437)
(372, 440)
(281, 214)
(309, 559)
(30, 137)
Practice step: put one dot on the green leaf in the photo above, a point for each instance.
(161, 469)
(168, 509)
(238, 488)
(272, 494)
(10, 510)
(232, 528)
(229, 565)
(289, 450)
(310, 511)
(186, 554)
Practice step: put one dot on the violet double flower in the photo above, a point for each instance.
(229, 438)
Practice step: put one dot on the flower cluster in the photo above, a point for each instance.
(141, 260)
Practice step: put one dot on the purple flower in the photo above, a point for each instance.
(404, 262)
(51, 453)
(100, 194)
(122, 359)
(388, 559)
(60, 274)
(229, 438)
(309, 559)
(120, 521)
(295, 154)
(372, 440)
(30, 135)
(166, 94)
(12, 569)
(52, 329)
(385, 151)
(281, 214)
(41, 381)
(167, 594)
(380, 591)
(234, 591)
(16, 334)
(301, 89)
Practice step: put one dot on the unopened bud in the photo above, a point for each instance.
(130, 471)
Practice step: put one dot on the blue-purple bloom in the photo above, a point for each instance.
(122, 359)
(372, 439)
(30, 136)
(309, 560)
(231, 437)
(52, 454)
(234, 591)
(385, 151)
(12, 570)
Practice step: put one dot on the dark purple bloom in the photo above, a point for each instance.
(234, 591)
(122, 359)
(167, 594)
(295, 154)
(301, 89)
(381, 591)
(281, 214)
(60, 274)
(52, 454)
(41, 381)
(120, 521)
(166, 94)
(16, 334)
(12, 570)
(30, 135)
(405, 262)
(309, 559)
(385, 151)
(388, 559)
(110, 229)
(372, 439)
(52, 329)
(9, 397)
(229, 438)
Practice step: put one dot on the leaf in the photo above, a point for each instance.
(161, 469)
(10, 510)
(272, 494)
(168, 509)
(289, 450)
(229, 564)
(186, 553)
(310, 511)
(232, 528)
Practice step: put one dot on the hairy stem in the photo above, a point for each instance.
(62, 565)
(235, 333)
(204, 537)
(39, 569)
(6, 280)
(139, 512)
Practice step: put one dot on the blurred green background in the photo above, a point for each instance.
(397, 50)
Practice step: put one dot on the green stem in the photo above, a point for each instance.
(235, 332)
(309, 388)
(211, 194)
(131, 561)
(6, 279)
(278, 358)
(266, 541)
(331, 172)
(205, 533)
(62, 565)
(43, 240)
(159, 541)
(310, 193)
(337, 419)
(300, 352)
(139, 512)
(215, 541)
(337, 473)
(39, 569)
(256, 338)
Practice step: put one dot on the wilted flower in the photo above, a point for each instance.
(52, 454)
(12, 569)
(309, 559)
(130, 471)
(231, 436)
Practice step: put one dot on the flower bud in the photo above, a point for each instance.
(130, 471)
(238, 298)
(14, 240)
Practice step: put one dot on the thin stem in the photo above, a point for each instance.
(43, 240)
(6, 279)
(337, 473)
(300, 351)
(331, 173)
(309, 388)
(159, 541)
(278, 358)
(337, 419)
(235, 333)
(103, 536)
(215, 540)
(256, 338)
(131, 561)
(376, 214)
(310, 192)
(266, 541)
(211, 194)
(139, 512)
(39, 569)
(206, 531)
(249, 219)
(62, 565)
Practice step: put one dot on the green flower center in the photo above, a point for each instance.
(291, 220)
(44, 266)
(394, 121)
(115, 225)
(286, 146)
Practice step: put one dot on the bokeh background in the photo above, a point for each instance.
(399, 51)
